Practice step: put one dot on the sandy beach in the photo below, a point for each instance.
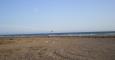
(57, 48)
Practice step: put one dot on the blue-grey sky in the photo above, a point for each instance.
(36, 16)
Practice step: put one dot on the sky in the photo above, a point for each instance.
(42, 16)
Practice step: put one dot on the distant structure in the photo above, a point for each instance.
(51, 31)
(50, 34)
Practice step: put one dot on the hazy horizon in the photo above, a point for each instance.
(43, 16)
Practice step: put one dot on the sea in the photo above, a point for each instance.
(102, 33)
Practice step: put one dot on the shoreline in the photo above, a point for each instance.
(58, 36)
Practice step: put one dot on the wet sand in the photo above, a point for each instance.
(57, 48)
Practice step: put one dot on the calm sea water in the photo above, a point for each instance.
(84, 34)
(111, 33)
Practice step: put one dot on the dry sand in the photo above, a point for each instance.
(57, 48)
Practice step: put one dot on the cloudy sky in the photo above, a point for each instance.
(39, 16)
